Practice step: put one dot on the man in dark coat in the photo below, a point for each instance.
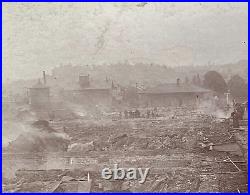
(235, 117)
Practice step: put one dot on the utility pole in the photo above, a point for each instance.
(227, 96)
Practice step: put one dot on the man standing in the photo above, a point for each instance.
(235, 117)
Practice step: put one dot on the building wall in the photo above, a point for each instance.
(177, 99)
(84, 81)
(39, 97)
(90, 97)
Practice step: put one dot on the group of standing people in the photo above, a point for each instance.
(132, 114)
(138, 114)
(152, 113)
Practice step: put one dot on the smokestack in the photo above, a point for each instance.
(44, 78)
(178, 82)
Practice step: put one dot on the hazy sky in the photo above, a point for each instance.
(39, 36)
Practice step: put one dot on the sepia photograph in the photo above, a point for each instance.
(124, 97)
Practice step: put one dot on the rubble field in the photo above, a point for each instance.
(188, 151)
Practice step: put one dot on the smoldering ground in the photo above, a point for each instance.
(212, 107)
(36, 140)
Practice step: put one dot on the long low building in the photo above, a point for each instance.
(172, 94)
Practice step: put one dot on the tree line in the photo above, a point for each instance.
(213, 80)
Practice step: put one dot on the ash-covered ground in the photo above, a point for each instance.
(186, 150)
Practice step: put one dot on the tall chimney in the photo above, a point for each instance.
(44, 78)
(178, 82)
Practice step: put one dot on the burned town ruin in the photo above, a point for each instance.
(179, 113)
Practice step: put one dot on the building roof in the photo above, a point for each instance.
(93, 86)
(174, 88)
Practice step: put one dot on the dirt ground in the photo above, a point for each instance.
(177, 147)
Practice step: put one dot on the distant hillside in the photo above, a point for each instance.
(128, 75)
(147, 74)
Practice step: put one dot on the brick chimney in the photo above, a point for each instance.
(178, 82)
(44, 78)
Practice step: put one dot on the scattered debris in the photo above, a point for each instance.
(79, 147)
(232, 148)
(185, 154)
